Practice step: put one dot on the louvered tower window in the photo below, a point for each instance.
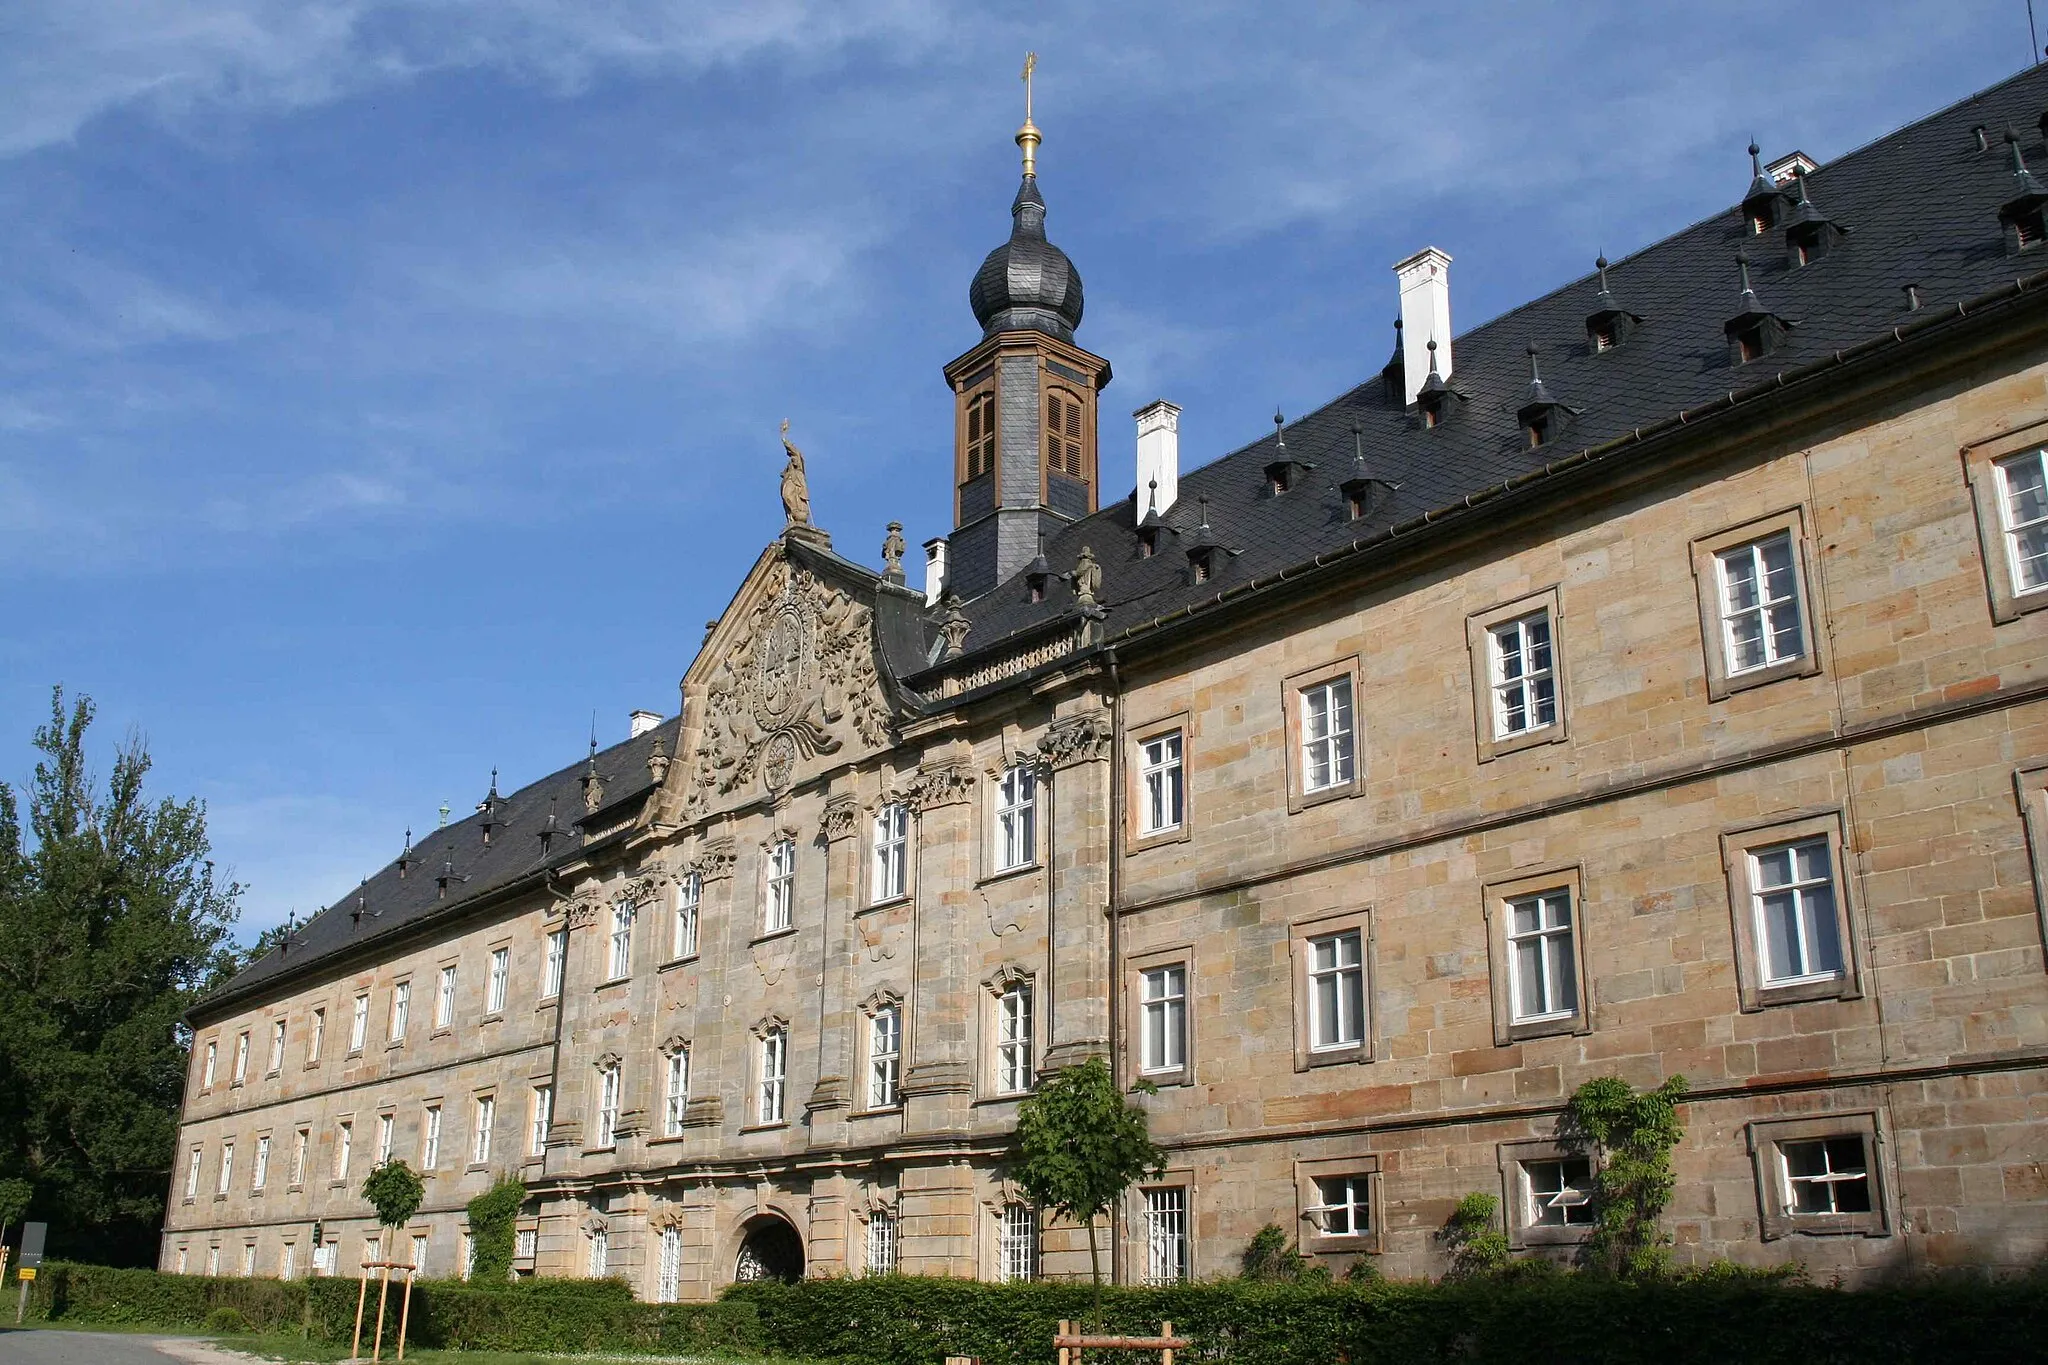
(981, 433)
(1063, 433)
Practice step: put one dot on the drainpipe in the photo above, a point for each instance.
(1116, 849)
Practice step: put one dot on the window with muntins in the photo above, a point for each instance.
(881, 1248)
(2023, 513)
(401, 1010)
(344, 1148)
(1163, 1011)
(1160, 776)
(1793, 890)
(1557, 1193)
(1543, 965)
(1326, 735)
(192, 1172)
(677, 1095)
(774, 1072)
(608, 1106)
(500, 977)
(1166, 1235)
(430, 1141)
(241, 1057)
(689, 892)
(276, 1047)
(668, 1284)
(1063, 433)
(206, 1072)
(1016, 819)
(359, 1024)
(621, 964)
(1336, 991)
(385, 1128)
(1343, 1206)
(778, 893)
(892, 847)
(1017, 1244)
(1825, 1176)
(600, 1253)
(885, 1057)
(319, 1036)
(302, 1142)
(557, 960)
(227, 1168)
(444, 998)
(542, 1113)
(1013, 1038)
(1761, 621)
(486, 1117)
(1524, 683)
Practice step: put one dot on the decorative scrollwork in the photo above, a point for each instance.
(842, 817)
(941, 784)
(1076, 739)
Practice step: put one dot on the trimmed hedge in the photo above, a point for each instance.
(145, 1298)
(1704, 1321)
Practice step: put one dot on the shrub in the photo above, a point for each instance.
(1269, 1256)
(1477, 1246)
(493, 1224)
(227, 1319)
(1634, 1131)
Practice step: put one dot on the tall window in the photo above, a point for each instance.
(184, 1254)
(227, 1167)
(1826, 1175)
(430, 1141)
(885, 1056)
(419, 1251)
(325, 1255)
(344, 1148)
(1017, 1244)
(1326, 735)
(192, 1172)
(1013, 1038)
(542, 1113)
(1166, 1235)
(774, 1065)
(444, 998)
(1063, 433)
(385, 1125)
(608, 1105)
(359, 1023)
(480, 1138)
(689, 891)
(1343, 1206)
(259, 1174)
(600, 1253)
(1163, 1009)
(881, 1249)
(317, 1037)
(1760, 618)
(1559, 1192)
(1794, 891)
(248, 1260)
(622, 940)
(500, 978)
(1336, 996)
(1016, 819)
(2023, 508)
(206, 1072)
(276, 1047)
(241, 1057)
(401, 1010)
(557, 959)
(213, 1260)
(287, 1261)
(302, 1142)
(981, 433)
(892, 845)
(1159, 770)
(778, 893)
(1544, 979)
(668, 1285)
(1524, 682)
(677, 1098)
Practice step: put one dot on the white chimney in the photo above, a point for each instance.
(934, 569)
(640, 722)
(1158, 457)
(1425, 316)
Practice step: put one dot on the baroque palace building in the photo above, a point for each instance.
(1650, 681)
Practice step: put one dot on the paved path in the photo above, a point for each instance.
(29, 1347)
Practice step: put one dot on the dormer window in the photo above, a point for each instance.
(1763, 218)
(1542, 417)
(1604, 335)
(1756, 331)
(1202, 564)
(1148, 542)
(1037, 590)
(1749, 342)
(1536, 427)
(1765, 201)
(1278, 478)
(1609, 324)
(2028, 228)
(2021, 215)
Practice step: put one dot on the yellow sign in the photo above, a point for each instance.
(27, 1272)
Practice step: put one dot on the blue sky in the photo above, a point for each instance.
(385, 388)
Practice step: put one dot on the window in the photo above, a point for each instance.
(689, 891)
(401, 1009)
(542, 1113)
(881, 1248)
(1825, 1175)
(1336, 991)
(1166, 1235)
(344, 1143)
(1343, 1206)
(259, 1174)
(774, 1064)
(1163, 1010)
(892, 845)
(1013, 1038)
(276, 1047)
(316, 1038)
(419, 1252)
(885, 1055)
(206, 1071)
(302, 1142)
(1557, 1193)
(430, 1141)
(444, 998)
(1819, 1175)
(385, 1127)
(525, 1244)
(600, 1253)
(557, 959)
(2008, 478)
(1794, 891)
(1162, 803)
(622, 940)
(213, 1260)
(981, 433)
(227, 1167)
(2023, 515)
(192, 1172)
(668, 1285)
(287, 1261)
(359, 1023)
(480, 1138)
(1017, 1244)
(778, 893)
(1326, 739)
(500, 978)
(1760, 617)
(677, 1098)
(608, 1105)
(241, 1057)
(1524, 687)
(467, 1266)
(184, 1254)
(1544, 975)
(324, 1256)
(249, 1260)
(1063, 433)
(1016, 819)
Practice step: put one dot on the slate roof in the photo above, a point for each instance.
(1919, 206)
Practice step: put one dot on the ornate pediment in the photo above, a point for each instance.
(791, 675)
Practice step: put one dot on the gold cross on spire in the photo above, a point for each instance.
(1027, 136)
(1030, 65)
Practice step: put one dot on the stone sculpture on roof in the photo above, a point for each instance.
(796, 493)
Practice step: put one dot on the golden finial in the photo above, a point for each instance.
(1027, 136)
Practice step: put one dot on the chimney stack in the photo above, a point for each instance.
(640, 722)
(1425, 316)
(1158, 457)
(934, 570)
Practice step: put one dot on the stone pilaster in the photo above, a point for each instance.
(938, 1084)
(826, 1255)
(1076, 747)
(936, 1212)
(832, 1097)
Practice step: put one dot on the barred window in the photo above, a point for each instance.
(668, 1285)
(882, 1242)
(1166, 1235)
(1017, 1244)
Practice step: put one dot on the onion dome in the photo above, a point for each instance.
(1027, 284)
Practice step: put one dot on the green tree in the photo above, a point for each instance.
(493, 1232)
(1080, 1144)
(395, 1191)
(114, 921)
(1633, 1133)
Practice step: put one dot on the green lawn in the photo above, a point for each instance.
(288, 1347)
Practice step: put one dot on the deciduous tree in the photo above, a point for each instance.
(1081, 1144)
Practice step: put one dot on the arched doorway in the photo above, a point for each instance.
(770, 1250)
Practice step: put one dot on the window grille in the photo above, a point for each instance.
(668, 1285)
(1166, 1236)
(882, 1242)
(600, 1253)
(1017, 1244)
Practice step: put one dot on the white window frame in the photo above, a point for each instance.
(1329, 735)
(359, 1022)
(540, 1114)
(248, 1260)
(1830, 1180)
(1162, 783)
(430, 1138)
(2015, 529)
(444, 997)
(500, 980)
(277, 1032)
(1813, 902)
(885, 1057)
(209, 1070)
(619, 961)
(676, 1091)
(689, 899)
(484, 1117)
(1016, 1243)
(227, 1168)
(1775, 592)
(318, 1037)
(387, 1132)
(881, 1242)
(302, 1148)
(1163, 1018)
(554, 964)
(1777, 1188)
(1566, 1208)
(1167, 1243)
(609, 1085)
(525, 1244)
(1016, 819)
(1343, 1206)
(1554, 938)
(1523, 674)
(287, 1261)
(259, 1170)
(771, 1093)
(778, 888)
(599, 1264)
(889, 867)
(1338, 1007)
(213, 1261)
(668, 1284)
(401, 1010)
(193, 1170)
(241, 1057)
(344, 1148)
(1014, 1062)
(419, 1252)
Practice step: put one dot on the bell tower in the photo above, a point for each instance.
(1024, 398)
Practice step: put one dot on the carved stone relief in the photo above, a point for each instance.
(1076, 739)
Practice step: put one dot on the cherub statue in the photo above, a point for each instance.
(796, 494)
